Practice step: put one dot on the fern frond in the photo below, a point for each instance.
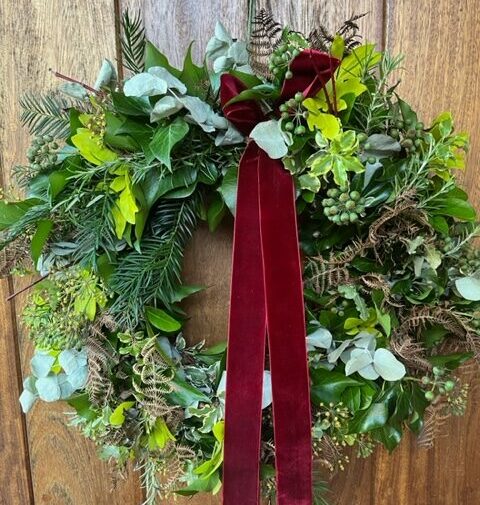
(266, 35)
(133, 42)
(46, 115)
(142, 277)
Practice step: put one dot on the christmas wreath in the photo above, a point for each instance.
(120, 173)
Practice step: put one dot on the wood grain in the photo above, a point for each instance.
(71, 37)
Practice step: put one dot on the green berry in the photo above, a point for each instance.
(353, 216)
(300, 130)
(285, 115)
(419, 126)
(328, 202)
(362, 137)
(399, 125)
(426, 380)
(299, 97)
(367, 146)
(429, 396)
(371, 160)
(333, 192)
(449, 385)
(289, 126)
(283, 107)
(355, 196)
(289, 74)
(333, 210)
(343, 197)
(350, 205)
(345, 217)
(394, 133)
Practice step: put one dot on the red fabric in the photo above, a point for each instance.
(311, 70)
(267, 293)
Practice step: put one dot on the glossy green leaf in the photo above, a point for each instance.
(165, 139)
(161, 320)
(40, 237)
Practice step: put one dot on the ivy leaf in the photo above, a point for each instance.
(165, 139)
(228, 188)
(310, 182)
(215, 212)
(328, 386)
(370, 419)
(184, 394)
(468, 288)
(269, 136)
(44, 227)
(161, 320)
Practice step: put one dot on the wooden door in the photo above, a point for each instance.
(43, 462)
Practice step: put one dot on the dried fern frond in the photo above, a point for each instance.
(99, 387)
(46, 115)
(133, 42)
(412, 354)
(320, 38)
(153, 381)
(434, 422)
(15, 255)
(265, 37)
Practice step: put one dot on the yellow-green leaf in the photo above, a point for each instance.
(91, 147)
(160, 435)
(117, 418)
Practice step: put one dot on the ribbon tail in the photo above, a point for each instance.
(286, 333)
(246, 344)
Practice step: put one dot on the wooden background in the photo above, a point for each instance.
(43, 462)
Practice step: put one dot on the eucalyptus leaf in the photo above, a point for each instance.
(269, 136)
(144, 84)
(41, 363)
(172, 82)
(468, 288)
(48, 388)
(388, 366)
(165, 107)
(320, 338)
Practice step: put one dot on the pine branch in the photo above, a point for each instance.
(133, 42)
(46, 115)
(143, 277)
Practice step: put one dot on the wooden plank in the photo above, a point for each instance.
(71, 37)
(15, 477)
(440, 74)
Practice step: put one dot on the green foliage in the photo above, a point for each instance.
(46, 115)
(133, 41)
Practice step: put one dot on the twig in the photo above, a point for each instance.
(34, 283)
(71, 79)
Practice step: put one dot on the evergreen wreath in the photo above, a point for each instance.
(119, 174)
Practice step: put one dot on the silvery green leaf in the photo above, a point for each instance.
(218, 45)
(66, 387)
(222, 64)
(370, 170)
(74, 90)
(78, 378)
(418, 263)
(221, 33)
(321, 338)
(222, 387)
(388, 366)
(28, 397)
(145, 84)
(106, 76)
(229, 136)
(469, 288)
(414, 244)
(41, 363)
(238, 53)
(269, 137)
(433, 256)
(334, 355)
(168, 348)
(48, 388)
(171, 80)
(199, 110)
(71, 359)
(369, 373)
(166, 106)
(365, 340)
(359, 358)
(267, 389)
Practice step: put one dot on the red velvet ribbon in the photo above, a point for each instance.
(267, 297)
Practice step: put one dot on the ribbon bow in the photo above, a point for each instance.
(267, 297)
